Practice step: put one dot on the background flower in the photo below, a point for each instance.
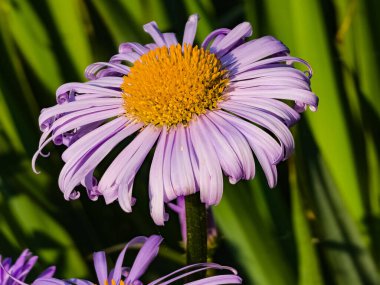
(14, 273)
(149, 250)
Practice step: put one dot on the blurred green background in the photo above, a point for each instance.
(321, 225)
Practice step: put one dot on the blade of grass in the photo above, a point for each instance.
(250, 232)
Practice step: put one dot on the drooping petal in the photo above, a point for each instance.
(227, 157)
(237, 141)
(182, 175)
(126, 179)
(266, 149)
(169, 192)
(210, 173)
(271, 123)
(274, 107)
(117, 180)
(153, 30)
(76, 168)
(156, 182)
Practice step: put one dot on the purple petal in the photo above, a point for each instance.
(285, 71)
(50, 281)
(91, 185)
(107, 83)
(88, 141)
(181, 171)
(118, 266)
(227, 157)
(269, 122)
(100, 263)
(133, 165)
(190, 30)
(169, 191)
(130, 57)
(274, 107)
(132, 47)
(79, 166)
(211, 178)
(273, 81)
(79, 282)
(218, 280)
(213, 35)
(56, 110)
(253, 51)
(200, 266)
(96, 70)
(156, 182)
(170, 39)
(237, 142)
(276, 61)
(145, 256)
(118, 179)
(48, 272)
(241, 31)
(79, 118)
(304, 96)
(266, 149)
(151, 46)
(152, 29)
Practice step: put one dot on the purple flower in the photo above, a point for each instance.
(15, 274)
(208, 110)
(124, 276)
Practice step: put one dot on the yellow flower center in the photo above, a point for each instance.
(168, 86)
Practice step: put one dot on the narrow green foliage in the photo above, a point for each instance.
(321, 225)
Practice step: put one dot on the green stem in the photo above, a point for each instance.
(196, 226)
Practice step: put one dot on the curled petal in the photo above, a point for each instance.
(241, 31)
(153, 30)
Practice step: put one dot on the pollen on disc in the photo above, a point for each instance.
(168, 86)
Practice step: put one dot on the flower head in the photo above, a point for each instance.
(121, 275)
(207, 110)
(16, 273)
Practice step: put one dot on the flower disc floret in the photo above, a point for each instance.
(168, 86)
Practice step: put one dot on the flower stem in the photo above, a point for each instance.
(196, 226)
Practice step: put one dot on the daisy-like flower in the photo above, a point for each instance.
(15, 274)
(207, 110)
(130, 276)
